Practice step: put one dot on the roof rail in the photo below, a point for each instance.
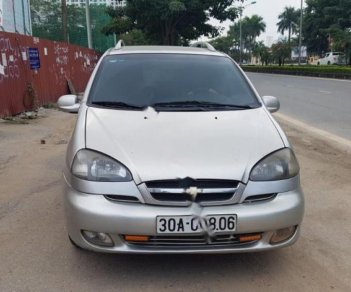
(119, 45)
(204, 45)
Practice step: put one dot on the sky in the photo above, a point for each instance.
(269, 10)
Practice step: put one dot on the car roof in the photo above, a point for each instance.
(164, 50)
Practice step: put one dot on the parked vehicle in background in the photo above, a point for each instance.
(332, 58)
(313, 60)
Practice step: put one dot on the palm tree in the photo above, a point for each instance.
(252, 28)
(260, 50)
(255, 25)
(288, 20)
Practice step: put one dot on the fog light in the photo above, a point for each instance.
(97, 238)
(282, 234)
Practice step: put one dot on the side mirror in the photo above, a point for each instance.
(272, 103)
(68, 103)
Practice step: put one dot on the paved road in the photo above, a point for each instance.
(321, 103)
(35, 254)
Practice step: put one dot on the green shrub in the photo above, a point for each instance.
(339, 72)
(300, 69)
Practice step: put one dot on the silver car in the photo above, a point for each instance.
(175, 152)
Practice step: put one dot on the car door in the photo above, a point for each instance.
(325, 59)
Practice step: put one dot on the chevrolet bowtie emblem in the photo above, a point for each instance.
(193, 192)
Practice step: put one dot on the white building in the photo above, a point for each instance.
(269, 41)
(114, 3)
(15, 16)
(295, 53)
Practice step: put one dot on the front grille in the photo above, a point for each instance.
(185, 197)
(189, 182)
(192, 241)
(185, 191)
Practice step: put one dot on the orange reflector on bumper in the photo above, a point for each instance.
(136, 238)
(250, 237)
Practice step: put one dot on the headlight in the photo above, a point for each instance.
(94, 166)
(279, 165)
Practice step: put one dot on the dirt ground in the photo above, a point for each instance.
(35, 254)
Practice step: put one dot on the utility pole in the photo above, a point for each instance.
(30, 18)
(87, 13)
(64, 20)
(241, 36)
(24, 19)
(14, 16)
(241, 31)
(300, 36)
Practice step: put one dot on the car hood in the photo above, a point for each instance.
(170, 145)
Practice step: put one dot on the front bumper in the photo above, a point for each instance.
(96, 213)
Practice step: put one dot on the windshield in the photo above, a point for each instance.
(142, 80)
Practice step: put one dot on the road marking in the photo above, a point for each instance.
(324, 91)
(344, 143)
(306, 77)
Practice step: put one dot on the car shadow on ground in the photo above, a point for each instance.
(188, 268)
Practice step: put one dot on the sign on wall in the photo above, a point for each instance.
(34, 58)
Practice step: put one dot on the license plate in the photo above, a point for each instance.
(191, 224)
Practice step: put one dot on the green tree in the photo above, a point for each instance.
(252, 27)
(327, 26)
(234, 34)
(46, 19)
(135, 37)
(342, 41)
(339, 30)
(288, 21)
(281, 51)
(223, 44)
(99, 18)
(171, 22)
(262, 51)
(315, 23)
(47, 23)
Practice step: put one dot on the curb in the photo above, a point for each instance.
(337, 141)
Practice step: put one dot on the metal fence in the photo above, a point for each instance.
(34, 71)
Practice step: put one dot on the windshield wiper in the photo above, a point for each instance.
(199, 104)
(117, 104)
